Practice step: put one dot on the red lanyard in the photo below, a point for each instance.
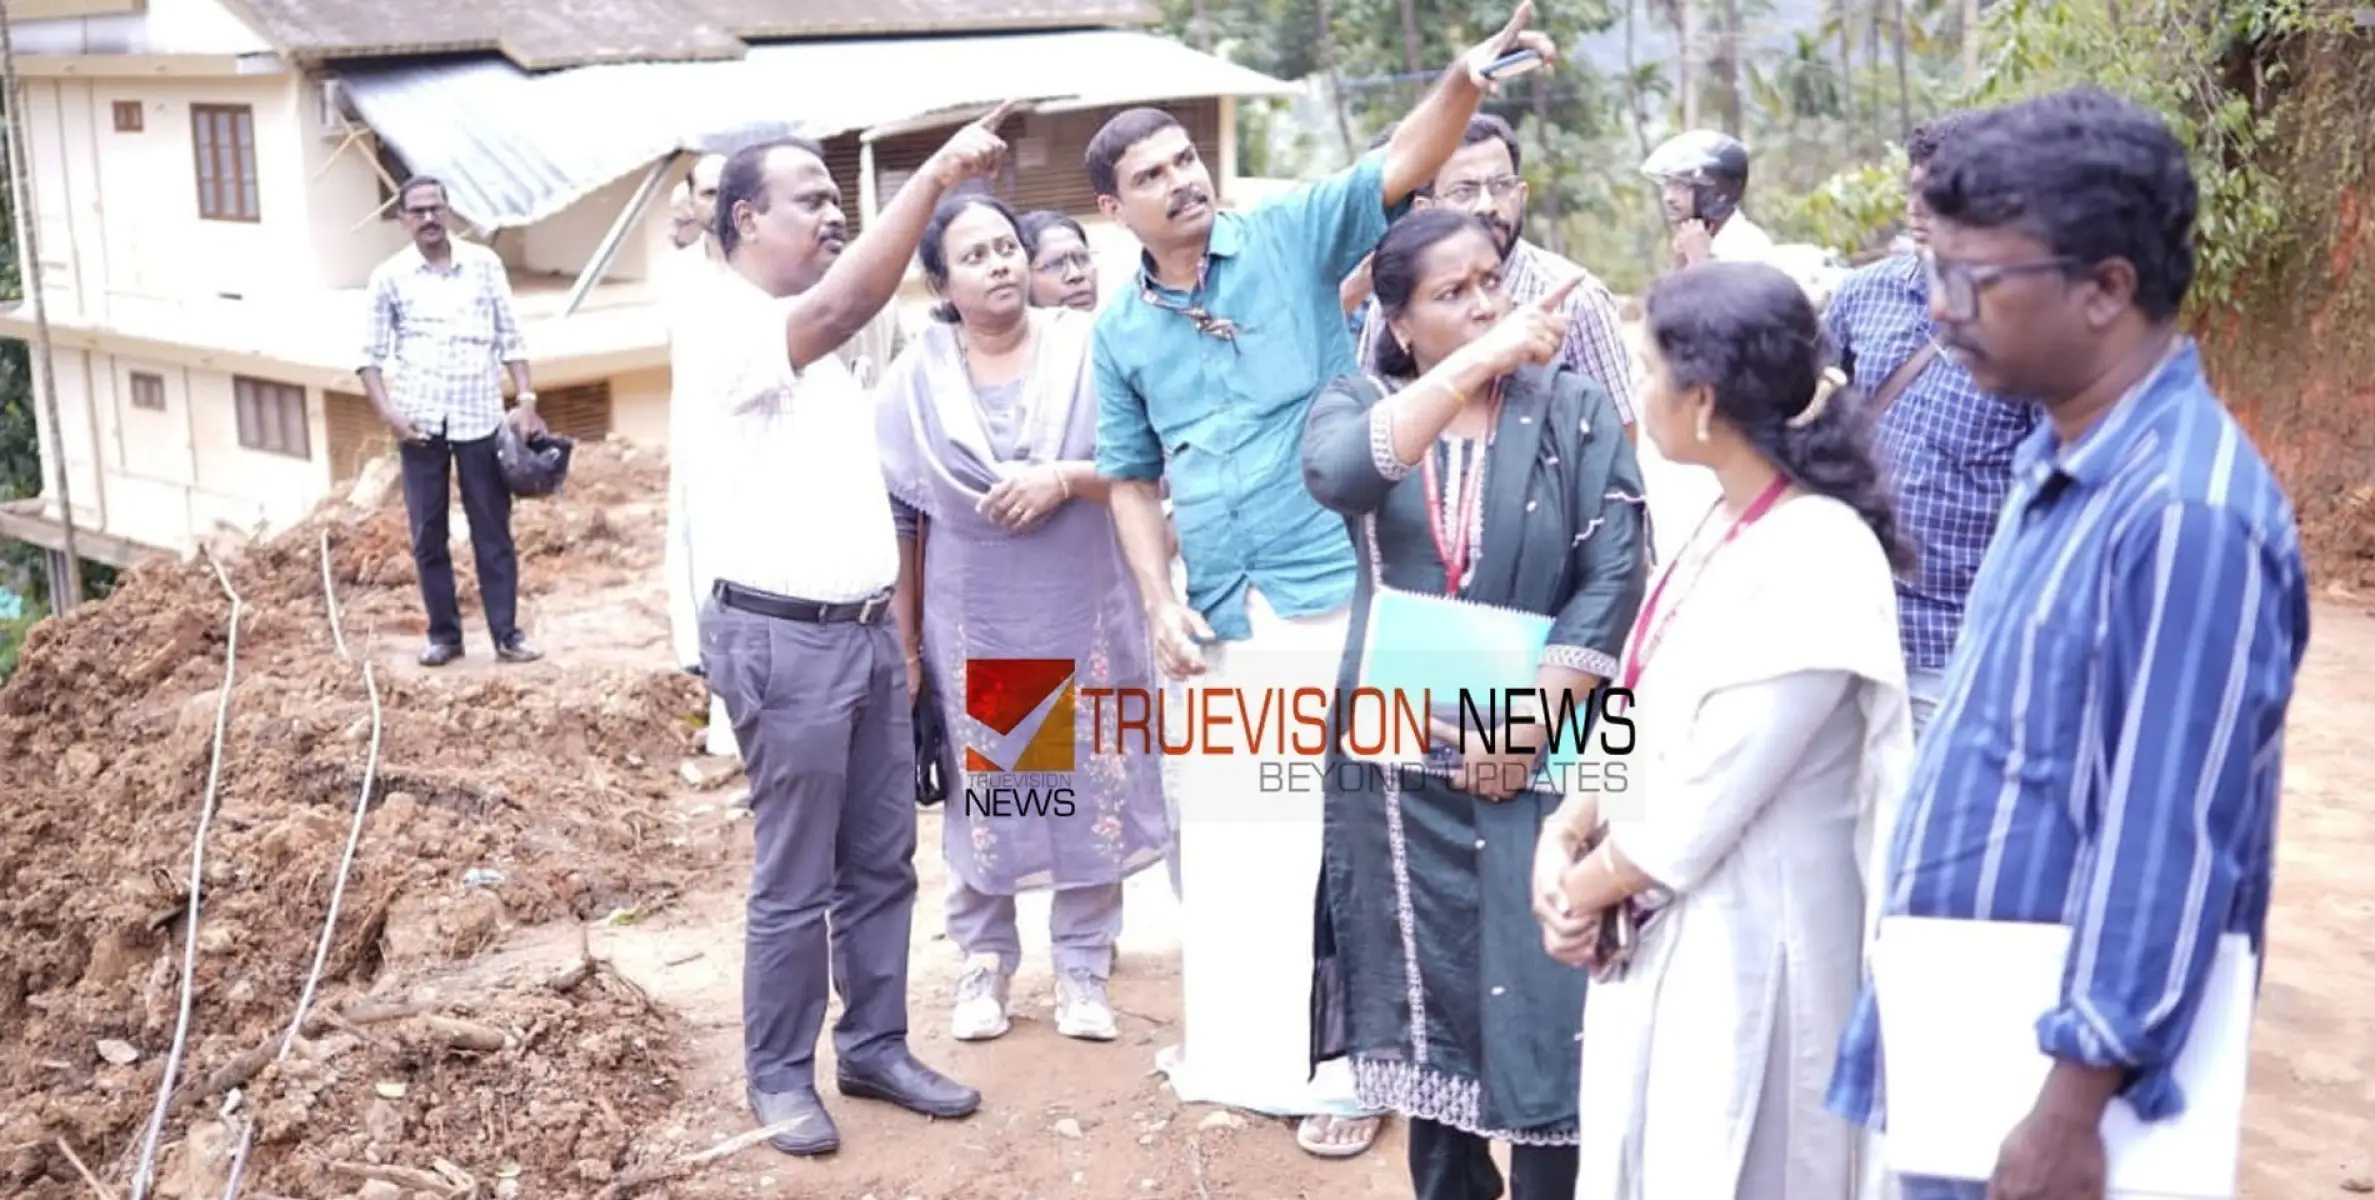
(1653, 626)
(1454, 546)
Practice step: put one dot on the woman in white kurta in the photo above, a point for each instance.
(1772, 739)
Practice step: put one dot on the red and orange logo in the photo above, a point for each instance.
(1025, 708)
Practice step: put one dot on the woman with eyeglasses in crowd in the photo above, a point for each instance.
(987, 426)
(1063, 268)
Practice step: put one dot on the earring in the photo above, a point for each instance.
(1704, 431)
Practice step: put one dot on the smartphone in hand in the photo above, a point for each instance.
(1513, 64)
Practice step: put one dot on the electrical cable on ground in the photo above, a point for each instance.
(338, 635)
(354, 838)
(144, 1176)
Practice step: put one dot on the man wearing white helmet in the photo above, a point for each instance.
(1703, 175)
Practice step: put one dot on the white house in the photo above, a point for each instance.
(211, 185)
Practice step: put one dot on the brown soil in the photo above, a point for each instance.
(546, 775)
(562, 778)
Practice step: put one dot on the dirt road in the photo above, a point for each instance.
(526, 816)
(1064, 1119)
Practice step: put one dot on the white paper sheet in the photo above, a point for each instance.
(1959, 1002)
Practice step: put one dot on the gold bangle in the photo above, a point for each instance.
(1064, 481)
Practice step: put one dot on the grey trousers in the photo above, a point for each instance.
(820, 713)
(1083, 923)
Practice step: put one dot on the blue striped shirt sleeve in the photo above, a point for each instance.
(2195, 665)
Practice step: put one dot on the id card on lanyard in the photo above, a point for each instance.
(1656, 617)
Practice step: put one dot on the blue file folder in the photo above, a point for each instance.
(1416, 645)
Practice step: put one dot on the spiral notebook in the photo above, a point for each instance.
(1417, 646)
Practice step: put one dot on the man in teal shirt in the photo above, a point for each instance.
(1205, 366)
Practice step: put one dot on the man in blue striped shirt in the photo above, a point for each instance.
(2107, 755)
(1947, 445)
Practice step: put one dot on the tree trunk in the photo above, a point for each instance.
(1872, 65)
(1687, 23)
(1553, 215)
(1414, 55)
(1904, 83)
(65, 592)
(1971, 43)
(1851, 100)
(1327, 66)
(1633, 79)
(1728, 68)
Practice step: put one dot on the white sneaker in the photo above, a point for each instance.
(1081, 1008)
(981, 1001)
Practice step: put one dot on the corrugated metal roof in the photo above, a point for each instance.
(515, 148)
(551, 34)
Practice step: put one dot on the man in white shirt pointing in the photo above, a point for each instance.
(795, 556)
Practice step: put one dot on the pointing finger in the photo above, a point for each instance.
(1518, 20)
(1552, 299)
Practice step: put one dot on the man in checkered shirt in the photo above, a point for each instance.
(1482, 178)
(442, 332)
(1947, 445)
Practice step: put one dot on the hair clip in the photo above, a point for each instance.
(1832, 380)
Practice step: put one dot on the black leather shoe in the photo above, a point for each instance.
(911, 1085)
(439, 653)
(517, 650)
(812, 1133)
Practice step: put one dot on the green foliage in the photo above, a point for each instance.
(20, 453)
(1854, 210)
(2204, 68)
(21, 567)
(12, 638)
(1812, 102)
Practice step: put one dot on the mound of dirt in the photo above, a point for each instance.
(2338, 536)
(500, 799)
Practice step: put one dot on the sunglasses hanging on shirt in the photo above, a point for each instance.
(1203, 319)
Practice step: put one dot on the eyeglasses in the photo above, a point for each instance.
(1957, 285)
(1466, 191)
(1080, 260)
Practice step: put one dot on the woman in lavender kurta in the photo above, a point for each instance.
(987, 429)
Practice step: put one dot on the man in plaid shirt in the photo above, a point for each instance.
(442, 332)
(1947, 445)
(1482, 178)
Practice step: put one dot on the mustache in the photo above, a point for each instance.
(1186, 197)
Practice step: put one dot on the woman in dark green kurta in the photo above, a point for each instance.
(1431, 970)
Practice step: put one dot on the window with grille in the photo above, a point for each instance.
(128, 117)
(148, 391)
(272, 417)
(225, 137)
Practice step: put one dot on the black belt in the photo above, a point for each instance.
(868, 611)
